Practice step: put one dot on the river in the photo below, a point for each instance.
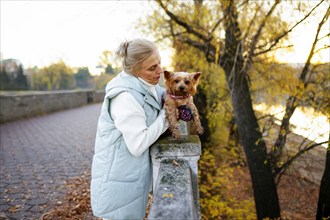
(305, 120)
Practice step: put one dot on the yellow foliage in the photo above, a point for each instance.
(56, 76)
(273, 83)
(213, 184)
(100, 82)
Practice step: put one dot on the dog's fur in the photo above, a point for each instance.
(180, 89)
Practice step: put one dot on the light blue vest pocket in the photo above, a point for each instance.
(122, 194)
(125, 167)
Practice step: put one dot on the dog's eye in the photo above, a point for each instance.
(176, 81)
(187, 82)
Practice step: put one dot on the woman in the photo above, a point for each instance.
(131, 120)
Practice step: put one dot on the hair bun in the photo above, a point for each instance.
(125, 44)
(122, 49)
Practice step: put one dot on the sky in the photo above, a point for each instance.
(303, 36)
(41, 32)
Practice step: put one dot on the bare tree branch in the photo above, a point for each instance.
(183, 23)
(272, 49)
(196, 44)
(206, 48)
(256, 37)
(276, 40)
(322, 48)
(280, 170)
(216, 25)
(327, 35)
(311, 53)
(245, 2)
(252, 21)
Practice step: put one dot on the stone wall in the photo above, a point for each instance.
(18, 105)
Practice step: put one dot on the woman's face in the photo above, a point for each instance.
(151, 69)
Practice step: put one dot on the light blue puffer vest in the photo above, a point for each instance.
(120, 182)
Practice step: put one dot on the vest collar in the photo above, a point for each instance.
(126, 80)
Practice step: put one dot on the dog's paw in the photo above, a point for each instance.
(176, 135)
(200, 130)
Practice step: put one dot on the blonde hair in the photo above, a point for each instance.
(134, 52)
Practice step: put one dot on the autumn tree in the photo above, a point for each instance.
(83, 78)
(105, 61)
(236, 35)
(4, 79)
(57, 76)
(21, 80)
(12, 75)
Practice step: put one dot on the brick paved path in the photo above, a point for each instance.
(39, 154)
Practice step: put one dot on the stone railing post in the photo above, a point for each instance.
(175, 177)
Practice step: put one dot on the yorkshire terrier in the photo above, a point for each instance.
(178, 102)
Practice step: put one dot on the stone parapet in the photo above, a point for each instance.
(18, 105)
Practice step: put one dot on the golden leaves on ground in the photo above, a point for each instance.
(76, 204)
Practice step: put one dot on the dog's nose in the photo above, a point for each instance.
(181, 88)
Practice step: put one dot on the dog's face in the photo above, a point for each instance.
(181, 83)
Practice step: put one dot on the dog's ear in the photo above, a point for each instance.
(167, 74)
(196, 76)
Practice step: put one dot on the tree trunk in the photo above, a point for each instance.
(323, 206)
(265, 194)
(276, 153)
(200, 102)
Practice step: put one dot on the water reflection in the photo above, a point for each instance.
(306, 122)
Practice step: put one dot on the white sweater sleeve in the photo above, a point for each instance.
(130, 120)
